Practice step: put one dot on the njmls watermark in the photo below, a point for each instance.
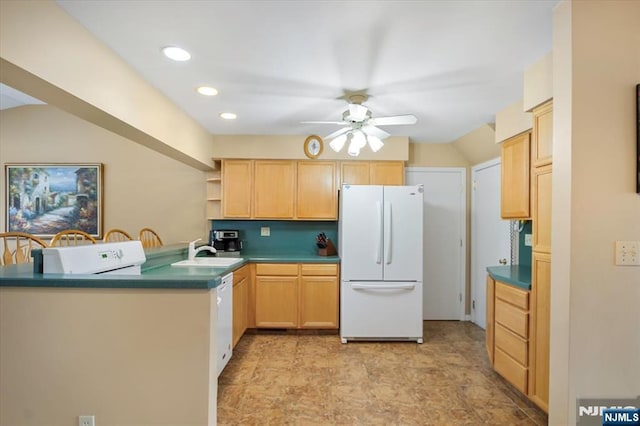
(608, 411)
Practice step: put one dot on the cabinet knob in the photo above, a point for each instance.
(503, 261)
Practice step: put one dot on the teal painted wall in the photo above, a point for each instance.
(285, 235)
(524, 252)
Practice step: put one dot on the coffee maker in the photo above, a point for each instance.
(225, 240)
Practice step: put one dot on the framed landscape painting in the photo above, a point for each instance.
(44, 199)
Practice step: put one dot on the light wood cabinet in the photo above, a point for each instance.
(516, 155)
(354, 172)
(319, 296)
(372, 172)
(542, 146)
(276, 295)
(511, 334)
(489, 323)
(542, 179)
(241, 279)
(237, 181)
(317, 192)
(274, 189)
(296, 296)
(386, 173)
(540, 330)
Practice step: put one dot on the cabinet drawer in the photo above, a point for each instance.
(508, 368)
(277, 269)
(512, 344)
(512, 318)
(240, 274)
(515, 296)
(319, 269)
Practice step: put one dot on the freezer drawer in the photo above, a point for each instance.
(380, 310)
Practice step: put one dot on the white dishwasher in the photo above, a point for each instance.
(224, 323)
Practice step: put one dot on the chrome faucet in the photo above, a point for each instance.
(193, 251)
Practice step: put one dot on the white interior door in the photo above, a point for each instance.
(444, 240)
(489, 233)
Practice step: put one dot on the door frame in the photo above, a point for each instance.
(474, 286)
(462, 285)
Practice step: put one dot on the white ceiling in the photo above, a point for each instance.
(453, 64)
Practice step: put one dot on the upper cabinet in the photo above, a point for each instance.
(316, 193)
(372, 172)
(516, 165)
(290, 189)
(274, 185)
(542, 149)
(237, 181)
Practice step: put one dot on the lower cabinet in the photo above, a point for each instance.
(489, 323)
(241, 280)
(540, 329)
(511, 334)
(289, 295)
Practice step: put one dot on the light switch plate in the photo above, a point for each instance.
(528, 241)
(265, 231)
(628, 253)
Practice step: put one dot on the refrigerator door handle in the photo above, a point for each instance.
(387, 218)
(408, 286)
(380, 233)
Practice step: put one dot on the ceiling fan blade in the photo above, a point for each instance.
(374, 131)
(337, 133)
(323, 122)
(357, 112)
(393, 120)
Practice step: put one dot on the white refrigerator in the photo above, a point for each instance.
(380, 247)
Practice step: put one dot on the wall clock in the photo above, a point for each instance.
(313, 146)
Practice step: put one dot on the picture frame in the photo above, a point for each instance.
(44, 199)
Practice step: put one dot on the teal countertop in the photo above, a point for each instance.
(517, 275)
(157, 271)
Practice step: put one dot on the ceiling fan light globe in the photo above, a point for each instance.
(375, 143)
(359, 139)
(338, 143)
(354, 149)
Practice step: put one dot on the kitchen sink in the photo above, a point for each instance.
(209, 262)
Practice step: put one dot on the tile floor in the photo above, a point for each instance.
(284, 378)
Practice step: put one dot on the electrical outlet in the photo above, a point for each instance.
(628, 253)
(265, 231)
(86, 420)
(528, 241)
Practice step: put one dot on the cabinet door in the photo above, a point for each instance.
(316, 196)
(515, 177)
(319, 302)
(541, 216)
(489, 331)
(274, 189)
(539, 330)
(354, 172)
(542, 149)
(386, 173)
(239, 309)
(277, 301)
(237, 177)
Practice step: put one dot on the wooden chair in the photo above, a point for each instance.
(149, 238)
(71, 237)
(17, 246)
(115, 234)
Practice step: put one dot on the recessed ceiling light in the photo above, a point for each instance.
(228, 115)
(176, 53)
(207, 91)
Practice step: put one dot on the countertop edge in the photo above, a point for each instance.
(515, 275)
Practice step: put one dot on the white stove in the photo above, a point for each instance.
(102, 258)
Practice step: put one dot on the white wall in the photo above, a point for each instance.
(595, 315)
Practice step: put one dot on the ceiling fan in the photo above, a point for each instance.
(361, 128)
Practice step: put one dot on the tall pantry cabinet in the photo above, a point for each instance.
(539, 327)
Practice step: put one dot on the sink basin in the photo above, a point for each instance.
(209, 262)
